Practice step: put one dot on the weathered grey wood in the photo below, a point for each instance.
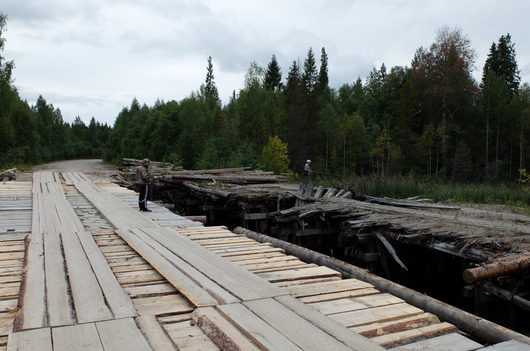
(189, 288)
(154, 333)
(121, 334)
(261, 333)
(118, 301)
(338, 331)
(29, 340)
(80, 337)
(511, 345)
(233, 278)
(196, 277)
(33, 311)
(88, 298)
(453, 342)
(298, 330)
(59, 309)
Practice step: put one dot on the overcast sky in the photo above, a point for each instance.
(92, 57)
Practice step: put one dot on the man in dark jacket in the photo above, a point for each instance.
(144, 179)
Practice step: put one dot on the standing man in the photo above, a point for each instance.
(307, 173)
(144, 179)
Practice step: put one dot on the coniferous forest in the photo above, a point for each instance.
(429, 118)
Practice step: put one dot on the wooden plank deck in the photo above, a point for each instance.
(121, 279)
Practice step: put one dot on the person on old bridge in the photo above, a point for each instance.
(307, 173)
(144, 180)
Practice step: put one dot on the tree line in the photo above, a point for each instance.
(38, 133)
(429, 118)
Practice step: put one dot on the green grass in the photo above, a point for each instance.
(403, 187)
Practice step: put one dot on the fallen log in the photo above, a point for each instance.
(505, 295)
(198, 189)
(479, 327)
(501, 266)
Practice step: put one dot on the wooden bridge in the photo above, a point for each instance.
(82, 269)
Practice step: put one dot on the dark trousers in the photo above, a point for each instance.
(142, 197)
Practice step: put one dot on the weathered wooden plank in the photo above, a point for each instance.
(118, 301)
(338, 331)
(254, 328)
(223, 333)
(150, 290)
(81, 337)
(233, 278)
(453, 342)
(154, 333)
(33, 312)
(121, 334)
(59, 308)
(511, 345)
(35, 339)
(207, 284)
(88, 297)
(298, 330)
(178, 279)
(162, 305)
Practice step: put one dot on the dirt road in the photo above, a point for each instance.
(86, 166)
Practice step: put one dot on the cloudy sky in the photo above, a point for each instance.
(92, 57)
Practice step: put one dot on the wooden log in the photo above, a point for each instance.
(476, 326)
(199, 189)
(505, 295)
(501, 266)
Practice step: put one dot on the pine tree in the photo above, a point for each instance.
(273, 76)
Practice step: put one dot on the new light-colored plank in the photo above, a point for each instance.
(327, 288)
(453, 342)
(59, 308)
(298, 274)
(298, 330)
(398, 325)
(120, 304)
(154, 333)
(29, 340)
(88, 297)
(338, 331)
(254, 328)
(223, 333)
(355, 303)
(121, 334)
(377, 314)
(413, 335)
(80, 337)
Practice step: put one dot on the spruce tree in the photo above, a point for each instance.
(210, 90)
(323, 79)
(501, 60)
(273, 76)
(310, 76)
